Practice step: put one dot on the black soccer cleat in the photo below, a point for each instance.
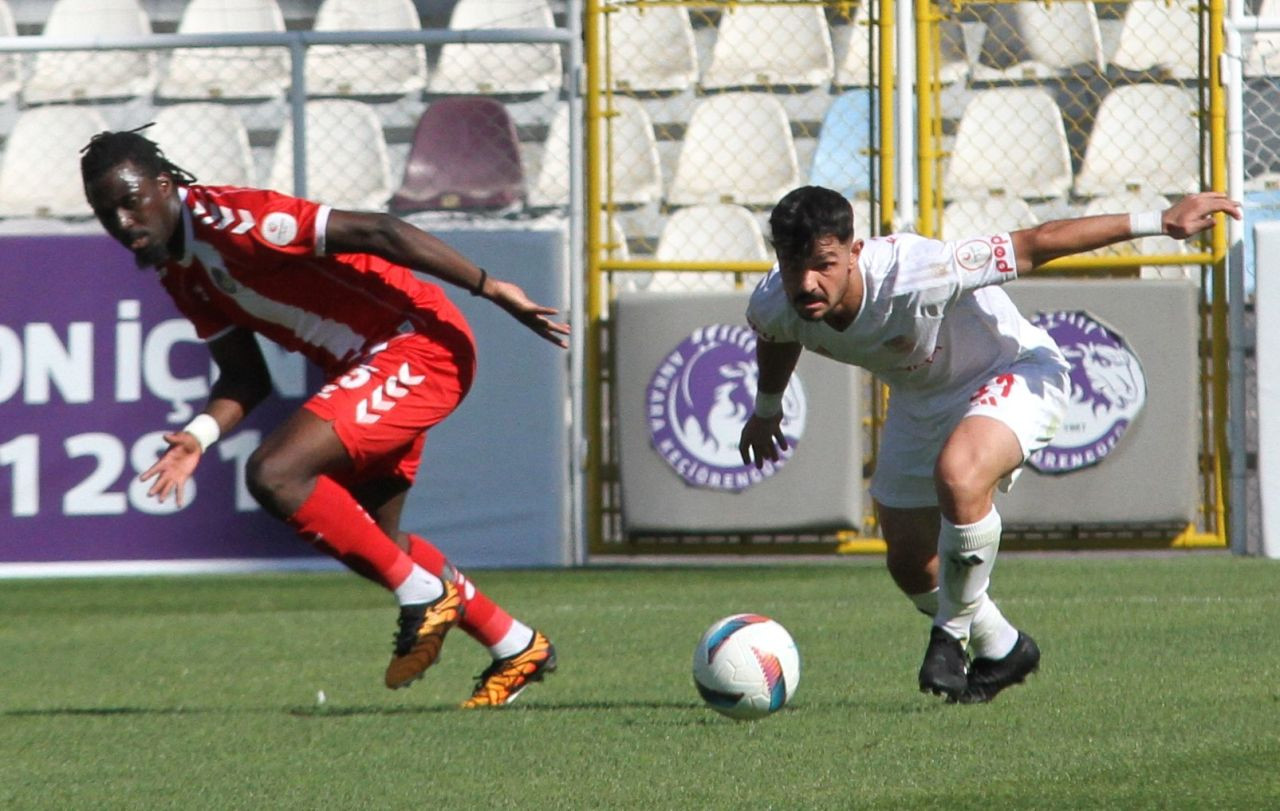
(987, 677)
(944, 672)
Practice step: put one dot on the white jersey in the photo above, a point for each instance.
(931, 321)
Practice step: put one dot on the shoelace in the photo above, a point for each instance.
(410, 621)
(489, 672)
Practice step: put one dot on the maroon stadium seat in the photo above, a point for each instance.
(464, 156)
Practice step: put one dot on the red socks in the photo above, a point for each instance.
(484, 619)
(335, 523)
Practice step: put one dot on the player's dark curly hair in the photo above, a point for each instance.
(805, 215)
(108, 149)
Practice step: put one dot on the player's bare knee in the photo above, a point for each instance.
(275, 483)
(961, 482)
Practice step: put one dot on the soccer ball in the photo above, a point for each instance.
(746, 666)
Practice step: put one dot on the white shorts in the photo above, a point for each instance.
(1030, 397)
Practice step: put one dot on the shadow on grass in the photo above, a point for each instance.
(90, 712)
(425, 709)
(330, 711)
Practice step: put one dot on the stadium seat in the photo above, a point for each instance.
(842, 159)
(1139, 201)
(227, 73)
(737, 149)
(854, 67)
(10, 64)
(747, 51)
(465, 155)
(708, 233)
(652, 49)
(1161, 36)
(208, 140)
(347, 162)
(366, 70)
(616, 239)
(1263, 56)
(1010, 139)
(40, 171)
(1033, 41)
(1146, 138)
(503, 69)
(79, 75)
(628, 135)
(1261, 203)
(982, 216)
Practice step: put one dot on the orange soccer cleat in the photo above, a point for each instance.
(421, 634)
(503, 680)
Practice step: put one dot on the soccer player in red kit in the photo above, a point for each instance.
(398, 357)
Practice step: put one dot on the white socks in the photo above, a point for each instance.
(966, 556)
(990, 635)
(516, 639)
(420, 586)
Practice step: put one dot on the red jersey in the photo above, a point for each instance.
(256, 259)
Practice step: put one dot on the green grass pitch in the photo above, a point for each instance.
(1159, 688)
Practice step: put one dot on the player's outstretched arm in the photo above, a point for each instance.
(762, 436)
(243, 381)
(1189, 216)
(397, 241)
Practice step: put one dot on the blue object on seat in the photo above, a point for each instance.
(1259, 206)
(842, 159)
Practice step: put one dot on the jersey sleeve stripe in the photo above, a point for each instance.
(322, 224)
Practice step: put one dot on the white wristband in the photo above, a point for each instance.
(205, 429)
(1146, 224)
(768, 404)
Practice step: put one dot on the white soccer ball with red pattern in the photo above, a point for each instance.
(746, 666)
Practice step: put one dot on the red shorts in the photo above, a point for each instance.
(382, 405)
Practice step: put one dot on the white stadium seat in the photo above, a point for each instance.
(366, 70)
(651, 49)
(708, 233)
(1263, 56)
(227, 73)
(76, 75)
(10, 64)
(40, 171)
(1045, 39)
(515, 69)
(1161, 35)
(854, 68)
(737, 149)
(982, 216)
(628, 135)
(1011, 140)
(1146, 138)
(347, 161)
(747, 51)
(208, 140)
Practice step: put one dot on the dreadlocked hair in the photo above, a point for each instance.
(108, 149)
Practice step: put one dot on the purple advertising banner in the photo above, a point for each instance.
(95, 365)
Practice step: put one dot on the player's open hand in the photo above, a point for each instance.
(1195, 213)
(536, 317)
(173, 468)
(762, 438)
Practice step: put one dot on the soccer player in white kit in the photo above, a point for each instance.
(974, 389)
